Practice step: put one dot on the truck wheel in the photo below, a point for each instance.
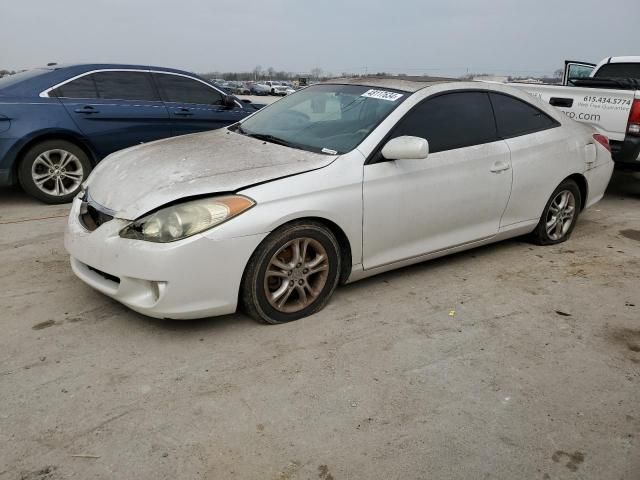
(53, 171)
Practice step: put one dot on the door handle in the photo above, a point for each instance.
(183, 112)
(561, 102)
(87, 109)
(500, 166)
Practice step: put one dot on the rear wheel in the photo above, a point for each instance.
(53, 171)
(292, 274)
(560, 215)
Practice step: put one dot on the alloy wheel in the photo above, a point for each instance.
(296, 275)
(57, 172)
(560, 215)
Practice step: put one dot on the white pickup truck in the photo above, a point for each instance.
(607, 96)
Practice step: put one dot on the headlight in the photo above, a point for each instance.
(186, 219)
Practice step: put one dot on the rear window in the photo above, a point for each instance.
(109, 85)
(619, 70)
(515, 117)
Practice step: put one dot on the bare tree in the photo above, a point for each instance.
(257, 71)
(316, 73)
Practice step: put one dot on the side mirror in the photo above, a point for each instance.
(229, 101)
(406, 148)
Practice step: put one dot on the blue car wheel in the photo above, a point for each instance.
(53, 171)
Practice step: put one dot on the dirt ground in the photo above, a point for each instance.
(511, 361)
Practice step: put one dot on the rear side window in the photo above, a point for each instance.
(175, 88)
(82, 87)
(124, 86)
(515, 117)
(619, 70)
(452, 120)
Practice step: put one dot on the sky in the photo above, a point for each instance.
(414, 37)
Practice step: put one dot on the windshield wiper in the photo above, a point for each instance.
(270, 139)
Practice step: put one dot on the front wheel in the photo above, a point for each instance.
(292, 274)
(53, 171)
(560, 215)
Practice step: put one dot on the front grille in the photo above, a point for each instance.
(92, 218)
(106, 275)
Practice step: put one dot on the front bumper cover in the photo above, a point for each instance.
(192, 278)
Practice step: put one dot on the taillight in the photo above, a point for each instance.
(633, 127)
(602, 140)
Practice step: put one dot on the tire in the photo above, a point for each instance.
(551, 229)
(293, 276)
(50, 162)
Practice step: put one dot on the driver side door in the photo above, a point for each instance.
(455, 196)
(193, 105)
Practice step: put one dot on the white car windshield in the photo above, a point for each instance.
(323, 118)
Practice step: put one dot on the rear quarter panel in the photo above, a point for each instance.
(541, 161)
(30, 118)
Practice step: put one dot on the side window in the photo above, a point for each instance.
(175, 88)
(82, 87)
(124, 86)
(575, 71)
(452, 120)
(515, 117)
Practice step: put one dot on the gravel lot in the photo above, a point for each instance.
(510, 361)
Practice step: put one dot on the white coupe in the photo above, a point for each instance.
(334, 183)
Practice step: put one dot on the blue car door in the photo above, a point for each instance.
(115, 109)
(193, 105)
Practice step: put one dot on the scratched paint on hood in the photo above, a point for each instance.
(134, 181)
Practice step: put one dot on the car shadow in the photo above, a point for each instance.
(624, 184)
(15, 196)
(218, 325)
(239, 322)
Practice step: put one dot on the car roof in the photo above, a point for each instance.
(627, 59)
(86, 67)
(406, 83)
(48, 76)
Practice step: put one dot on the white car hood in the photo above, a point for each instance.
(137, 180)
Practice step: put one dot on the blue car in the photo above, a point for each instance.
(57, 122)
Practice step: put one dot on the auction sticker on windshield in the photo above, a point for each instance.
(382, 95)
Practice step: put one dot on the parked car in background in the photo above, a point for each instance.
(258, 88)
(277, 88)
(239, 88)
(607, 96)
(224, 86)
(333, 184)
(57, 122)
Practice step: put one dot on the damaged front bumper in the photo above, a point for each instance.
(192, 278)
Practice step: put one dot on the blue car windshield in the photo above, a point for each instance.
(325, 118)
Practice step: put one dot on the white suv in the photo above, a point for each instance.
(277, 88)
